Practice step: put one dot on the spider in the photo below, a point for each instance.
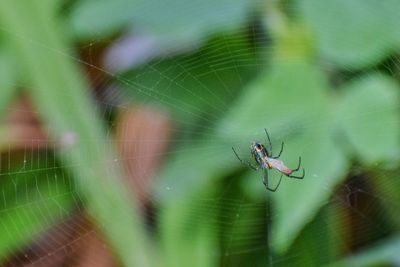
(266, 161)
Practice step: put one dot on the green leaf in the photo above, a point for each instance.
(242, 226)
(321, 241)
(368, 117)
(354, 34)
(186, 238)
(297, 202)
(209, 159)
(100, 18)
(277, 103)
(62, 100)
(33, 200)
(22, 223)
(386, 184)
(385, 253)
(178, 20)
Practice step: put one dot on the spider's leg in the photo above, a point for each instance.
(280, 152)
(297, 177)
(265, 182)
(269, 153)
(265, 179)
(244, 162)
(295, 170)
(298, 167)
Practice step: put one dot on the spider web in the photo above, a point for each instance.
(239, 208)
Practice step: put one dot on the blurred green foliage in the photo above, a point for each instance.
(280, 68)
(27, 192)
(190, 85)
(61, 97)
(172, 21)
(353, 34)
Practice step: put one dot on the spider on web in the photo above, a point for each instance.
(266, 161)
